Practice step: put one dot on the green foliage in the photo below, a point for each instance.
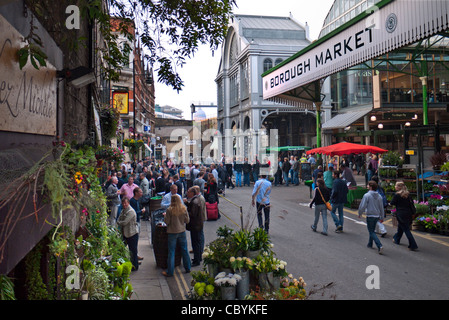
(392, 158)
(97, 284)
(37, 290)
(6, 288)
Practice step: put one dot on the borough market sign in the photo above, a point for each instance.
(386, 26)
(27, 96)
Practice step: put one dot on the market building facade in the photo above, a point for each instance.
(255, 44)
(381, 68)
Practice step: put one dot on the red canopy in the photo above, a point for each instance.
(343, 148)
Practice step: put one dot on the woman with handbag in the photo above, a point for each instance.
(176, 218)
(321, 201)
(405, 210)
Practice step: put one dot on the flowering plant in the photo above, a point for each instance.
(291, 289)
(227, 280)
(266, 262)
(435, 200)
(203, 286)
(110, 154)
(241, 263)
(421, 207)
(428, 221)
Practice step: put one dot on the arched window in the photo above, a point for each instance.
(233, 52)
(278, 60)
(267, 64)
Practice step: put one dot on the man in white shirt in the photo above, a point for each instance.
(166, 200)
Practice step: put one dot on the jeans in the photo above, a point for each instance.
(132, 245)
(246, 179)
(285, 176)
(295, 178)
(179, 239)
(404, 228)
(266, 210)
(197, 238)
(255, 176)
(371, 225)
(238, 179)
(321, 208)
(338, 220)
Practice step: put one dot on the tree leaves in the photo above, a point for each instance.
(172, 30)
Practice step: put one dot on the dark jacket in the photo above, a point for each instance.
(317, 199)
(160, 185)
(246, 167)
(404, 212)
(211, 192)
(195, 214)
(238, 167)
(135, 204)
(339, 191)
(286, 166)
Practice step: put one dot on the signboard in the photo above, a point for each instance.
(410, 152)
(120, 101)
(28, 97)
(382, 28)
(305, 171)
(398, 115)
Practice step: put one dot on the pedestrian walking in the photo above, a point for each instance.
(195, 225)
(338, 199)
(261, 199)
(176, 218)
(322, 195)
(380, 227)
(128, 223)
(286, 166)
(404, 214)
(246, 172)
(373, 208)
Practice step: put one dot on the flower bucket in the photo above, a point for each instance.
(212, 269)
(276, 283)
(227, 293)
(252, 254)
(266, 281)
(243, 285)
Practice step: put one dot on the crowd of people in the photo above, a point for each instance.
(330, 193)
(185, 191)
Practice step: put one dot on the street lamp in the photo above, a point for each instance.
(78, 77)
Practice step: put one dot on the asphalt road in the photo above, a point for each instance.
(338, 266)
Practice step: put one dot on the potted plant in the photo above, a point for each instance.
(203, 287)
(264, 265)
(227, 283)
(438, 159)
(429, 221)
(242, 266)
(259, 241)
(392, 158)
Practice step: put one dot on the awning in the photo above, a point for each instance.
(344, 120)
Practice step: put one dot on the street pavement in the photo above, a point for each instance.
(337, 266)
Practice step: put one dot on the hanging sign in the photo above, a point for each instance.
(27, 97)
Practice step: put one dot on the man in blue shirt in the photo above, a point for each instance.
(261, 198)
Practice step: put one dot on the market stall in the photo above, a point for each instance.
(347, 148)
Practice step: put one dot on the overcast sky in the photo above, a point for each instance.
(199, 73)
